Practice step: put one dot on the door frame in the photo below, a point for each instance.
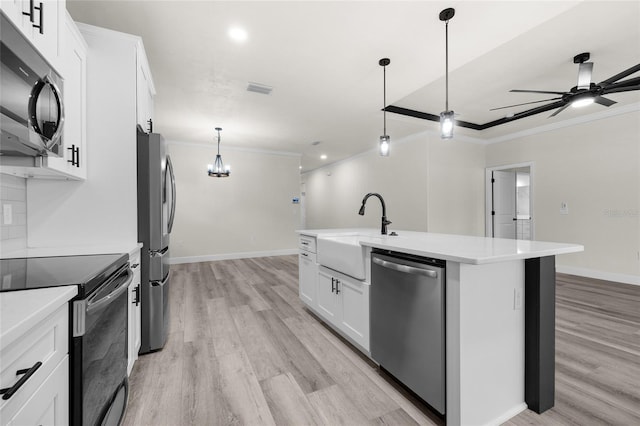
(488, 227)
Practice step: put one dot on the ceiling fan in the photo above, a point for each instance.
(585, 93)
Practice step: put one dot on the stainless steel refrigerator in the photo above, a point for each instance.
(156, 211)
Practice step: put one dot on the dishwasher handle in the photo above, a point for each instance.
(405, 268)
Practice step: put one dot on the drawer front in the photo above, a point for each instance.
(307, 243)
(49, 405)
(48, 343)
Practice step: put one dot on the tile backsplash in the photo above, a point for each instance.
(13, 229)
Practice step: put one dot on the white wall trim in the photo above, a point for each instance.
(600, 275)
(236, 148)
(567, 123)
(228, 256)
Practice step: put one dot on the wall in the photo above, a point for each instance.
(247, 214)
(428, 185)
(13, 191)
(595, 168)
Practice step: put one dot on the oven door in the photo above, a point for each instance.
(31, 107)
(99, 374)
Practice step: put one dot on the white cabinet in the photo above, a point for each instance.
(42, 23)
(134, 310)
(307, 270)
(344, 302)
(73, 164)
(145, 91)
(40, 355)
(308, 274)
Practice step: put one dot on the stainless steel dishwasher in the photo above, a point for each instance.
(407, 322)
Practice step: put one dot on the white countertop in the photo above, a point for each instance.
(457, 248)
(71, 250)
(21, 310)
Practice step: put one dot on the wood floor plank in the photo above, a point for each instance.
(364, 393)
(287, 402)
(224, 334)
(334, 408)
(264, 358)
(397, 417)
(242, 391)
(306, 369)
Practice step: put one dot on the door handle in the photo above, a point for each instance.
(9, 392)
(337, 288)
(405, 268)
(332, 285)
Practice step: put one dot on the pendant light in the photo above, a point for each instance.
(384, 139)
(446, 116)
(218, 169)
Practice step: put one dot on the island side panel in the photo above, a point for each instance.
(485, 342)
(540, 298)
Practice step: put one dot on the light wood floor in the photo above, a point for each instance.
(243, 350)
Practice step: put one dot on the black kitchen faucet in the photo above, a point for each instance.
(385, 222)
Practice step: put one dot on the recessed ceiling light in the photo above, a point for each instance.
(238, 34)
(323, 157)
(300, 167)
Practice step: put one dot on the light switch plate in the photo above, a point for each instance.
(564, 208)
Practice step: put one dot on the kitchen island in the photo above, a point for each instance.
(499, 311)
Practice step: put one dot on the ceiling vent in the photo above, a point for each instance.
(259, 88)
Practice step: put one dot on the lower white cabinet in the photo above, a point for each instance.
(49, 404)
(133, 329)
(308, 276)
(34, 369)
(344, 302)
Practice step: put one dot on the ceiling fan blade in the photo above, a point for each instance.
(632, 82)
(584, 75)
(622, 89)
(526, 103)
(618, 76)
(559, 110)
(538, 91)
(603, 101)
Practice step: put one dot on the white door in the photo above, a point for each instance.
(504, 204)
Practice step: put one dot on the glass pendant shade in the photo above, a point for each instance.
(446, 124)
(384, 145)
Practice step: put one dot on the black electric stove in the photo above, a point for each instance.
(87, 272)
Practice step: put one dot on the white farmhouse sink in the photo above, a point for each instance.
(343, 254)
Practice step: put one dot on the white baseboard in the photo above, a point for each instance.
(600, 275)
(227, 256)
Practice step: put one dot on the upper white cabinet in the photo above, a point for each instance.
(73, 164)
(145, 91)
(42, 22)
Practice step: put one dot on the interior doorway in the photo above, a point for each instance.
(509, 202)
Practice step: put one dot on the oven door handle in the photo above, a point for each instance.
(94, 305)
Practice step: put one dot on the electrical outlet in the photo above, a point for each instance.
(7, 214)
(517, 299)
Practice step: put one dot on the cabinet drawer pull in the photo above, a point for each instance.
(8, 392)
(304, 254)
(333, 289)
(337, 288)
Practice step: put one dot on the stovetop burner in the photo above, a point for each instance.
(87, 272)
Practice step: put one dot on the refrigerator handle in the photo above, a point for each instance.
(173, 193)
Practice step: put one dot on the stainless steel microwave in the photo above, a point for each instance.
(31, 100)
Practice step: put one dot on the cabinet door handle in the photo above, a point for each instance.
(304, 254)
(136, 290)
(333, 289)
(337, 288)
(30, 13)
(41, 26)
(8, 392)
(75, 156)
(135, 265)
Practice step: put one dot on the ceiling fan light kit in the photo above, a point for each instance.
(446, 117)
